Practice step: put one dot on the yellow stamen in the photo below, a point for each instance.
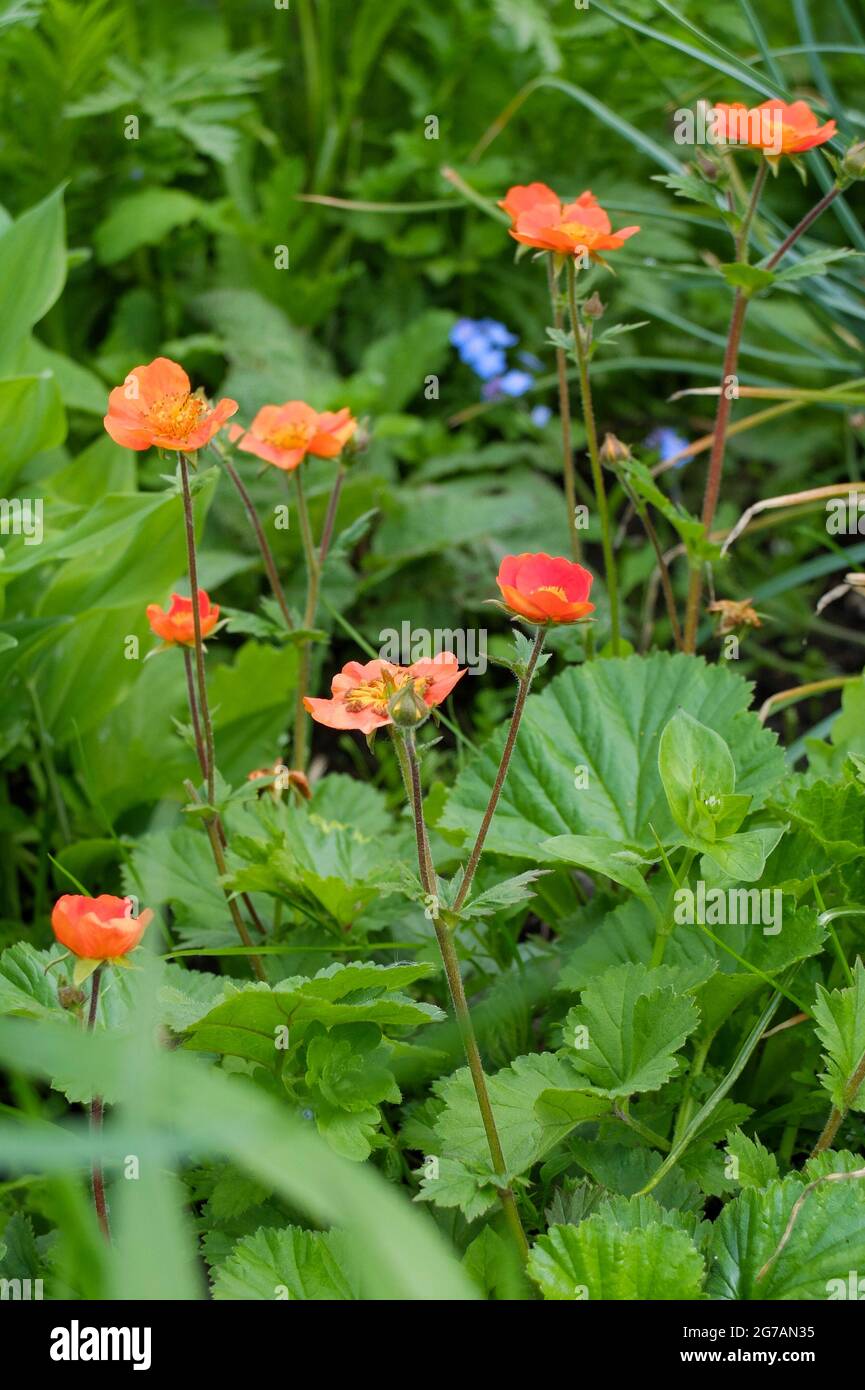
(176, 416)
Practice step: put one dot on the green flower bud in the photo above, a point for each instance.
(853, 163)
(406, 708)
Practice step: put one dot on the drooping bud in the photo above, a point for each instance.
(593, 307)
(406, 707)
(613, 452)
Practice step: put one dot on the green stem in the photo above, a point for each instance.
(565, 417)
(96, 1111)
(731, 361)
(810, 217)
(664, 923)
(203, 707)
(450, 960)
(582, 356)
(516, 717)
(258, 529)
(313, 576)
(193, 712)
(837, 1114)
(330, 517)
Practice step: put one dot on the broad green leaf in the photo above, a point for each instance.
(626, 1031)
(827, 1241)
(143, 219)
(840, 1019)
(600, 1260)
(742, 857)
(604, 719)
(32, 270)
(31, 419)
(290, 1264)
(247, 1022)
(602, 856)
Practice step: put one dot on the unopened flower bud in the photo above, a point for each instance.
(614, 452)
(406, 708)
(593, 308)
(853, 163)
(709, 168)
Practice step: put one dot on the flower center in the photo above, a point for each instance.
(552, 589)
(176, 416)
(375, 694)
(295, 436)
(584, 236)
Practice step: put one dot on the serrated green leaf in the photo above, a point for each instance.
(840, 1020)
(600, 1260)
(626, 1031)
(289, 1265)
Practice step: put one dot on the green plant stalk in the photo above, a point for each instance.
(565, 417)
(200, 710)
(202, 763)
(731, 360)
(665, 925)
(501, 774)
(96, 1111)
(193, 712)
(192, 565)
(582, 356)
(838, 1113)
(450, 960)
(258, 529)
(314, 566)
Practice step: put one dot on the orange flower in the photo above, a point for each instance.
(284, 434)
(155, 406)
(775, 127)
(361, 692)
(177, 625)
(100, 928)
(540, 219)
(525, 196)
(545, 588)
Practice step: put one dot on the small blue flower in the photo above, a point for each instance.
(515, 382)
(667, 443)
(541, 416)
(528, 359)
(487, 362)
(497, 334)
(462, 330)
